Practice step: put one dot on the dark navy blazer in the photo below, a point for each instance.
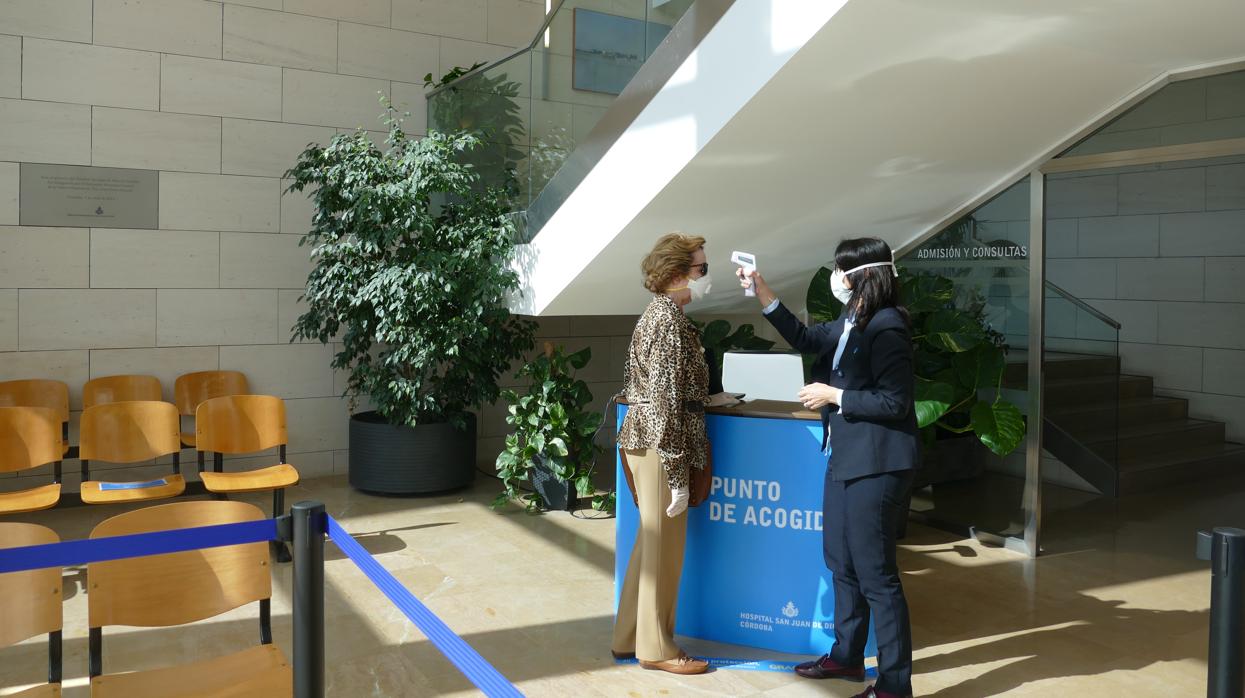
(874, 431)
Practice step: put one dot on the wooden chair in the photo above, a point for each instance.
(193, 388)
(237, 424)
(30, 437)
(100, 391)
(129, 432)
(178, 588)
(36, 392)
(30, 603)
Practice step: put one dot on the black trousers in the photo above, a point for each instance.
(862, 517)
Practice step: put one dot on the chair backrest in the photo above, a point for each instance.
(30, 602)
(127, 432)
(193, 388)
(100, 391)
(240, 424)
(29, 437)
(177, 588)
(36, 392)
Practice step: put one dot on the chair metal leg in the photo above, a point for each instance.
(54, 656)
(279, 550)
(218, 466)
(265, 621)
(95, 660)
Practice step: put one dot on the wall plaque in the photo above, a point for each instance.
(88, 197)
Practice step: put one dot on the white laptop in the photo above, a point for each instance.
(763, 375)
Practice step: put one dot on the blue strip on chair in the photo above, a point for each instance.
(469, 662)
(81, 552)
(108, 486)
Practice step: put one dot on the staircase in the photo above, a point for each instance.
(1156, 445)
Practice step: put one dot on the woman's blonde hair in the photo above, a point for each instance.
(670, 259)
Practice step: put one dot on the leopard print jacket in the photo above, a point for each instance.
(665, 370)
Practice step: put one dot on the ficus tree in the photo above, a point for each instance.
(412, 272)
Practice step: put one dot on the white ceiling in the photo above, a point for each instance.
(894, 115)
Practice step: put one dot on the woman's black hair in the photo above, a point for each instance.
(875, 288)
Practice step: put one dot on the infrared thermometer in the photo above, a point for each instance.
(748, 261)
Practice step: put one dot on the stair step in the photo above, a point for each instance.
(1140, 440)
(1154, 471)
(1106, 415)
(1060, 366)
(1069, 392)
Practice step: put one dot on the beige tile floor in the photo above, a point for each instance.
(1117, 606)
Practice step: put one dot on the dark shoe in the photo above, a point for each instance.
(679, 665)
(872, 692)
(622, 656)
(826, 668)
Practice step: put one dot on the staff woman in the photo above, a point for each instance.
(863, 386)
(666, 383)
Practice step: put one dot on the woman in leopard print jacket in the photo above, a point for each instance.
(666, 383)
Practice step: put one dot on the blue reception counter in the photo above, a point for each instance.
(754, 573)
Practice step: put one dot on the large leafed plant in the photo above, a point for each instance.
(959, 360)
(554, 427)
(411, 273)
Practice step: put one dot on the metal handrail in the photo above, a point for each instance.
(1083, 305)
(531, 46)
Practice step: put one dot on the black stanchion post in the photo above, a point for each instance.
(310, 525)
(1225, 548)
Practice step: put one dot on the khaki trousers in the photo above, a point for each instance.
(645, 621)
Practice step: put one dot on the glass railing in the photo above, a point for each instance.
(1083, 388)
(536, 106)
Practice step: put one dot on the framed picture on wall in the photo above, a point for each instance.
(609, 49)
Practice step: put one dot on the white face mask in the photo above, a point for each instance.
(838, 286)
(700, 287)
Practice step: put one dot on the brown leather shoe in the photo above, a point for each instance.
(825, 668)
(872, 692)
(679, 665)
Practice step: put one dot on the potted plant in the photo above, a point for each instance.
(553, 445)
(959, 362)
(411, 274)
(717, 339)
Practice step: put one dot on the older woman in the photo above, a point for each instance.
(666, 383)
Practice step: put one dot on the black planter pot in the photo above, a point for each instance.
(399, 459)
(953, 457)
(557, 494)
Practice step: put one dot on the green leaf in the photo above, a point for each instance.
(999, 425)
(559, 446)
(715, 332)
(557, 412)
(933, 399)
(951, 330)
(930, 363)
(980, 367)
(752, 343)
(822, 305)
(580, 358)
(925, 292)
(604, 502)
(583, 486)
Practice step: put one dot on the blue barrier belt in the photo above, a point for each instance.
(469, 662)
(752, 665)
(81, 552)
